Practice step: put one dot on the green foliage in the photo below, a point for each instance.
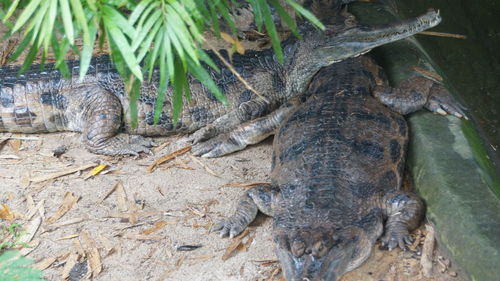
(10, 236)
(15, 267)
(163, 34)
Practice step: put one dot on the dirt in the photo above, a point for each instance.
(181, 197)
(129, 224)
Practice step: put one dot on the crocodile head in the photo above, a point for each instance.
(343, 39)
(320, 254)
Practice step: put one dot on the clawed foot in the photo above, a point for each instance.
(216, 147)
(394, 239)
(442, 102)
(228, 227)
(129, 145)
(203, 134)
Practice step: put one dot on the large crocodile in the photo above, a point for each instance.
(337, 170)
(98, 106)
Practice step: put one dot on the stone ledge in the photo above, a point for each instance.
(463, 209)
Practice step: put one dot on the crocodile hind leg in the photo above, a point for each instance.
(100, 121)
(257, 198)
(416, 93)
(246, 111)
(251, 132)
(404, 211)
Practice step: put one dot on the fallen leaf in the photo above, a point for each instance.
(15, 144)
(229, 39)
(45, 263)
(95, 262)
(68, 202)
(234, 245)
(31, 229)
(108, 193)
(71, 236)
(158, 225)
(60, 173)
(6, 213)
(168, 157)
(98, 169)
(210, 171)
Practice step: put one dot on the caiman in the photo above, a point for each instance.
(99, 107)
(337, 168)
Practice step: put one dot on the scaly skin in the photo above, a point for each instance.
(337, 170)
(98, 105)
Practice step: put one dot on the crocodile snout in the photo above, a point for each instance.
(311, 256)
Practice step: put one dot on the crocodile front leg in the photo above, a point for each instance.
(251, 132)
(246, 111)
(257, 198)
(418, 92)
(404, 211)
(99, 119)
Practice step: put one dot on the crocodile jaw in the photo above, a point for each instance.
(309, 267)
(356, 41)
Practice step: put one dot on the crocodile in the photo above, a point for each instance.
(98, 106)
(337, 168)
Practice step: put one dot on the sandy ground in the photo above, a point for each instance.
(134, 221)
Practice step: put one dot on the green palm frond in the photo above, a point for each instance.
(141, 36)
(14, 266)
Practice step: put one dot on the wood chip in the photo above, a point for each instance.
(275, 273)
(68, 202)
(122, 199)
(55, 226)
(95, 262)
(45, 263)
(159, 190)
(427, 252)
(71, 236)
(168, 157)
(15, 144)
(243, 247)
(210, 171)
(234, 245)
(443, 34)
(427, 72)
(158, 225)
(108, 193)
(61, 173)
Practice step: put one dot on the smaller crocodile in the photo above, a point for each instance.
(337, 168)
(98, 106)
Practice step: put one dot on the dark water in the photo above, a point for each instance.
(471, 66)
